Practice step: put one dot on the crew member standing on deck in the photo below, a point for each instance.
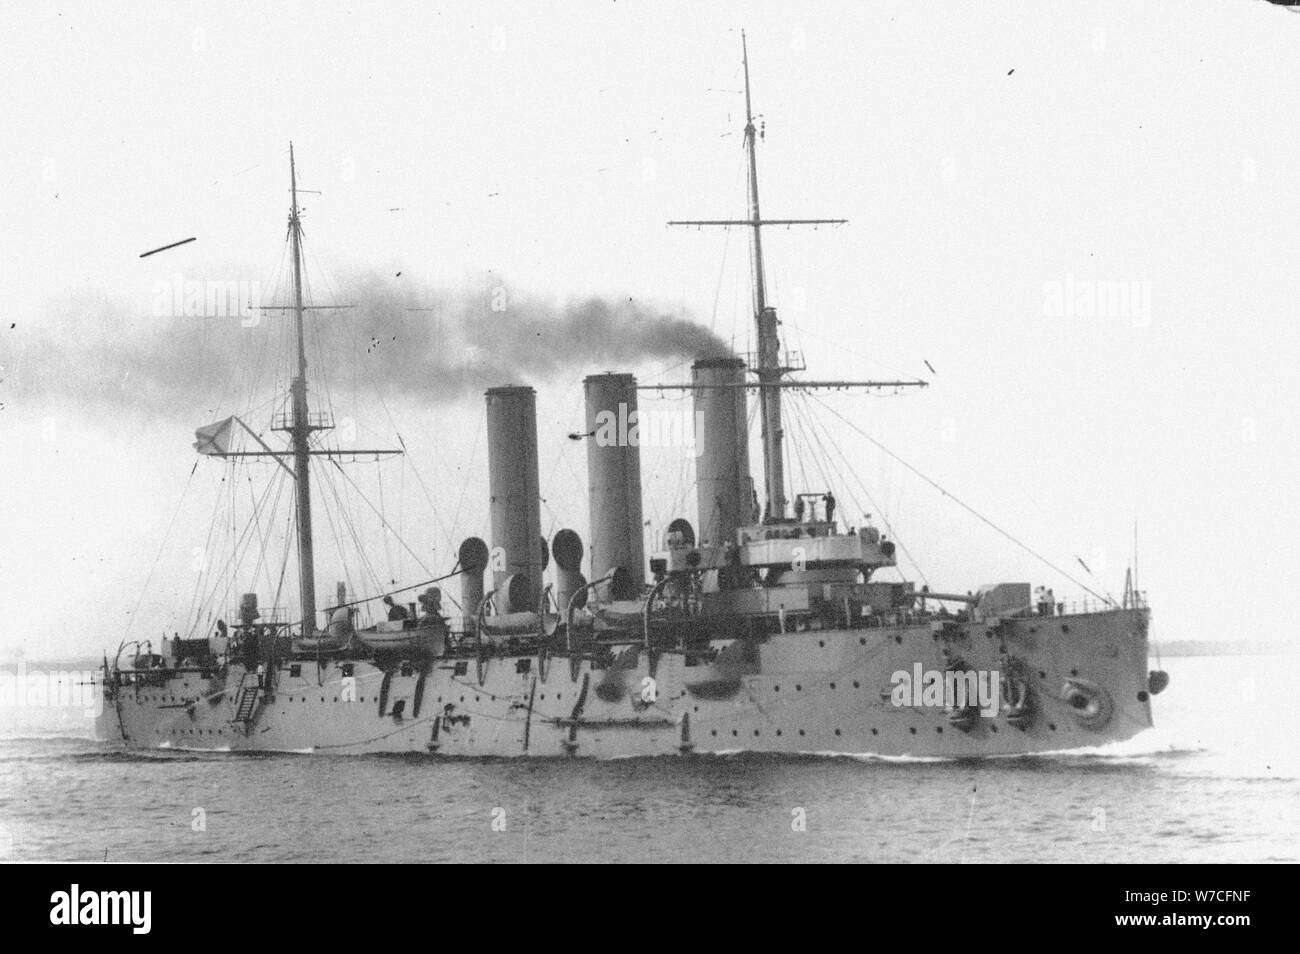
(798, 508)
(431, 604)
(829, 500)
(395, 612)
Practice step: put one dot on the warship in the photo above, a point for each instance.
(758, 627)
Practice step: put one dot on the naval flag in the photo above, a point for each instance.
(215, 438)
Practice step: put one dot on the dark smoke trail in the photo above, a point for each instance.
(423, 343)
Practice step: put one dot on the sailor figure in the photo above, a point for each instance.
(431, 604)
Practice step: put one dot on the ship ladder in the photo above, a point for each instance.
(247, 699)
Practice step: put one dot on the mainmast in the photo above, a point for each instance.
(300, 429)
(299, 423)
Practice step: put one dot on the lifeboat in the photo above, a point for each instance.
(395, 637)
(336, 636)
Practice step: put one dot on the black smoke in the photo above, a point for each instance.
(421, 342)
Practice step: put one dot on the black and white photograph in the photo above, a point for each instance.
(653, 433)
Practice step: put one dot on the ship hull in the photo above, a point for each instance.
(815, 691)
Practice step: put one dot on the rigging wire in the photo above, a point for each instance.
(237, 558)
(464, 486)
(284, 562)
(154, 566)
(274, 509)
(217, 519)
(383, 520)
(246, 538)
(383, 508)
(261, 557)
(813, 423)
(365, 565)
(347, 519)
(965, 506)
(448, 536)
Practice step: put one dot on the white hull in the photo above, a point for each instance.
(815, 691)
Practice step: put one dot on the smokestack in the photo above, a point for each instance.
(724, 490)
(514, 502)
(473, 559)
(613, 477)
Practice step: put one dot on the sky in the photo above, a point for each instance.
(1077, 222)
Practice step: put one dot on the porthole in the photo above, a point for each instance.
(1052, 726)
(1142, 696)
(912, 729)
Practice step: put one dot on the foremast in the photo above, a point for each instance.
(769, 369)
(300, 428)
(769, 365)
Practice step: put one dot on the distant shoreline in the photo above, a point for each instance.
(1210, 647)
